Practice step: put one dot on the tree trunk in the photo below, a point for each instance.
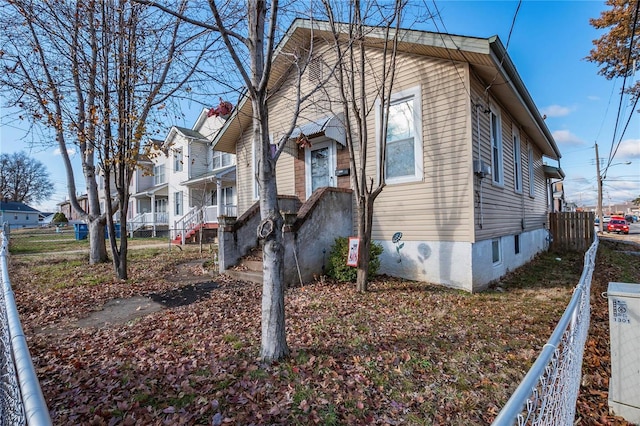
(365, 225)
(274, 339)
(97, 247)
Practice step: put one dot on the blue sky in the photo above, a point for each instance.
(548, 44)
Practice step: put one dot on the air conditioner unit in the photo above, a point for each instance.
(481, 169)
(624, 325)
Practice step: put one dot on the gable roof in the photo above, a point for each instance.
(487, 57)
(16, 206)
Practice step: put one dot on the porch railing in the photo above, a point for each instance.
(196, 216)
(21, 399)
(148, 219)
(548, 393)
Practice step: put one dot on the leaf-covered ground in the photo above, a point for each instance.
(404, 353)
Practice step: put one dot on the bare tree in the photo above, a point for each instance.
(249, 33)
(362, 89)
(51, 78)
(100, 74)
(23, 179)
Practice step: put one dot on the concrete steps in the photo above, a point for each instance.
(248, 269)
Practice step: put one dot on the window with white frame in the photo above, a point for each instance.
(496, 147)
(517, 161)
(178, 202)
(496, 251)
(228, 195)
(177, 160)
(532, 176)
(404, 151)
(158, 174)
(221, 159)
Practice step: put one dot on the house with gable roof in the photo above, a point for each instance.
(18, 215)
(183, 185)
(467, 193)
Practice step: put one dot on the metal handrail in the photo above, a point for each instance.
(35, 407)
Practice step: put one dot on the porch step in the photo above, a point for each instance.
(249, 268)
(245, 275)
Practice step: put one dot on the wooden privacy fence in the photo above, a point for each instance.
(571, 230)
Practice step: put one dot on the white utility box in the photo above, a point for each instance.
(624, 326)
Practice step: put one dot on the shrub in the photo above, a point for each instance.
(59, 217)
(338, 268)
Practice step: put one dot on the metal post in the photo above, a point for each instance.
(599, 208)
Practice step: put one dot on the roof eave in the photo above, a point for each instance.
(505, 66)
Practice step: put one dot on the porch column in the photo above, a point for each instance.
(219, 194)
(153, 214)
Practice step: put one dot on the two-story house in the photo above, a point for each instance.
(466, 196)
(183, 184)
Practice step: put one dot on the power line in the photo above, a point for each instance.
(624, 83)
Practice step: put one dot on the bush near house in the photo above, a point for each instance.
(338, 269)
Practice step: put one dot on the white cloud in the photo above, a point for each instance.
(70, 151)
(629, 148)
(556, 111)
(565, 137)
(593, 98)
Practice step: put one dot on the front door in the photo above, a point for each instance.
(320, 166)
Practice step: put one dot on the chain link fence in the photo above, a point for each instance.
(21, 399)
(547, 395)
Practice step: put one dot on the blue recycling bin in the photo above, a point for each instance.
(106, 231)
(82, 230)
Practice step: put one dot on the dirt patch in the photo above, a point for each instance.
(185, 295)
(119, 311)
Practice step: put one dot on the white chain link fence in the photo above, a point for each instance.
(547, 395)
(21, 400)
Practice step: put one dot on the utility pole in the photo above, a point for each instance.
(599, 207)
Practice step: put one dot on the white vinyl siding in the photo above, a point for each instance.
(496, 147)
(517, 161)
(404, 151)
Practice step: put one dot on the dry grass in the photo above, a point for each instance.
(404, 353)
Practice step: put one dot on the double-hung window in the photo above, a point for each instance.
(221, 159)
(496, 147)
(178, 202)
(517, 161)
(404, 152)
(532, 176)
(177, 160)
(158, 174)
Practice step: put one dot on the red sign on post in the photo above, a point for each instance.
(354, 249)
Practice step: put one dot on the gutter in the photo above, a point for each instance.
(505, 66)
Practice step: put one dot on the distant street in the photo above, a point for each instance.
(633, 236)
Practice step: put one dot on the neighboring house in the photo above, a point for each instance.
(467, 195)
(185, 184)
(18, 215)
(69, 212)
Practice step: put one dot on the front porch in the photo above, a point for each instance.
(211, 195)
(200, 224)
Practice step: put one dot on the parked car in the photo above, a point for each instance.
(629, 218)
(618, 225)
